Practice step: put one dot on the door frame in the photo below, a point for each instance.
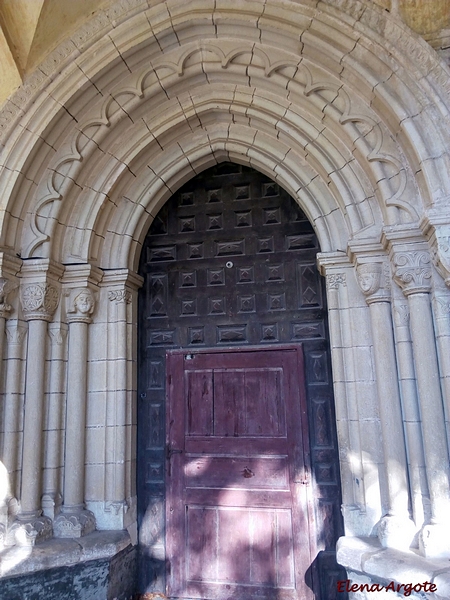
(309, 582)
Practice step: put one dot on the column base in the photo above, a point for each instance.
(396, 532)
(3, 522)
(74, 523)
(434, 540)
(114, 515)
(51, 504)
(28, 531)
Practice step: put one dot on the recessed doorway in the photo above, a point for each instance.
(230, 275)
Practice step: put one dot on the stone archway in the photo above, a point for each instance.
(347, 111)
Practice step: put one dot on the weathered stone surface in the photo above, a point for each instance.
(367, 562)
(62, 552)
(81, 577)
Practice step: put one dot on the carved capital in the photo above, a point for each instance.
(6, 286)
(120, 296)
(81, 305)
(39, 301)
(412, 271)
(440, 255)
(374, 282)
(335, 280)
(368, 276)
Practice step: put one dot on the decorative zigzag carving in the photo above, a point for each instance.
(376, 154)
(111, 110)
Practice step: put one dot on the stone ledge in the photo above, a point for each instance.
(367, 557)
(62, 552)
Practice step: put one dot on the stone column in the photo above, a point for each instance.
(412, 272)
(74, 520)
(9, 267)
(13, 405)
(411, 412)
(395, 529)
(54, 450)
(5, 309)
(113, 501)
(355, 396)
(5, 489)
(440, 254)
(116, 436)
(39, 302)
(441, 312)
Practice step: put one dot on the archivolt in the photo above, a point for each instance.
(315, 113)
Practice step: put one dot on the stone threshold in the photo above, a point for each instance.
(366, 557)
(20, 560)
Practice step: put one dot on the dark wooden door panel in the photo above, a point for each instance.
(235, 512)
(230, 262)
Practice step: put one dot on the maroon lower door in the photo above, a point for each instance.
(237, 473)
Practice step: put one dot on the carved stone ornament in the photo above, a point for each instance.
(120, 296)
(368, 276)
(29, 532)
(433, 540)
(396, 532)
(412, 271)
(440, 255)
(116, 508)
(15, 333)
(442, 307)
(57, 336)
(6, 287)
(74, 524)
(401, 314)
(39, 301)
(81, 305)
(334, 280)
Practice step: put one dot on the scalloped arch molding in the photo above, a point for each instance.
(340, 103)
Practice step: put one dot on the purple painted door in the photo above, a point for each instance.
(237, 454)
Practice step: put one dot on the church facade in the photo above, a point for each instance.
(343, 108)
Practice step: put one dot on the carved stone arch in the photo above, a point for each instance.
(271, 111)
(144, 196)
(339, 103)
(300, 141)
(131, 222)
(362, 65)
(353, 49)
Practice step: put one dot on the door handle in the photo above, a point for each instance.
(170, 451)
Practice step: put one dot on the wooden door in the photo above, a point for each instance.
(237, 475)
